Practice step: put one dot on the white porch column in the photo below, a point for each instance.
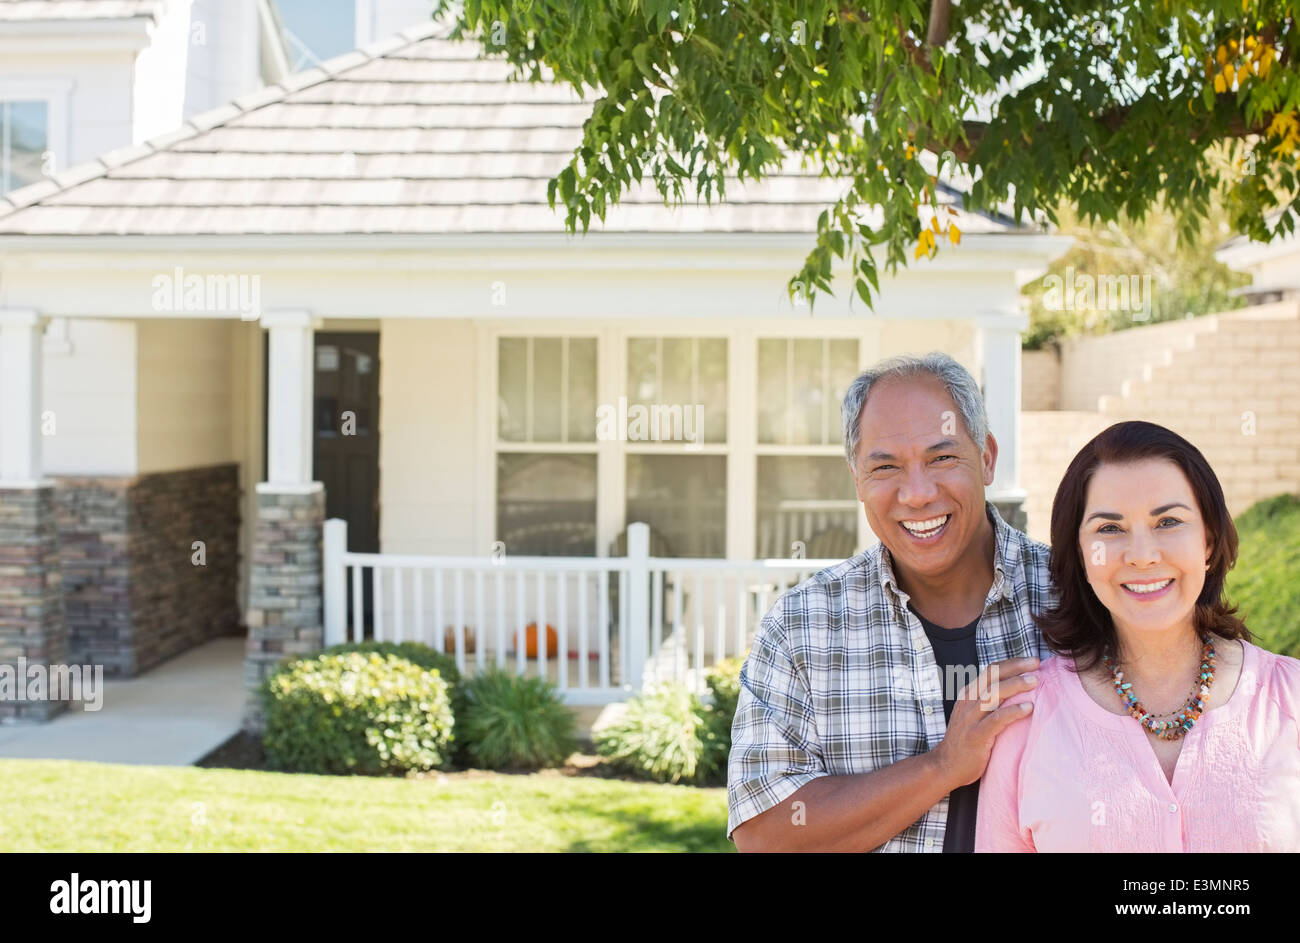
(20, 397)
(999, 357)
(289, 397)
(285, 607)
(33, 630)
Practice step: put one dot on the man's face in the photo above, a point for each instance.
(917, 464)
(1151, 533)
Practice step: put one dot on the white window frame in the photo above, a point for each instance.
(55, 94)
(868, 347)
(489, 337)
(741, 448)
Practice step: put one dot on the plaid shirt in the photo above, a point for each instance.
(841, 678)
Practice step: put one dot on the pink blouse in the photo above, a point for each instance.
(1075, 777)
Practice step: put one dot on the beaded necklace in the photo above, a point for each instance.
(1180, 721)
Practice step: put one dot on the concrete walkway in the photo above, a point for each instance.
(170, 716)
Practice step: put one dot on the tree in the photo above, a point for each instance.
(1107, 106)
(1168, 278)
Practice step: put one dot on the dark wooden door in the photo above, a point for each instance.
(345, 446)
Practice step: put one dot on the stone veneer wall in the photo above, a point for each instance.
(285, 616)
(132, 594)
(31, 611)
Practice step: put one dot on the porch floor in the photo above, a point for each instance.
(169, 716)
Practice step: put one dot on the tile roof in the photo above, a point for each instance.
(414, 134)
(22, 11)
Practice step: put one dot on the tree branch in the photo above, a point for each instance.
(937, 33)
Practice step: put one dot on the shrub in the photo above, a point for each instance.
(510, 722)
(661, 736)
(1262, 584)
(356, 712)
(723, 680)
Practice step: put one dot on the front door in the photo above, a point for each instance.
(345, 446)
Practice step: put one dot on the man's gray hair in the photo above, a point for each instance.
(961, 386)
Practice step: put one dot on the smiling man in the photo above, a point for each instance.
(852, 732)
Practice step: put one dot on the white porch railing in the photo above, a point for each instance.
(618, 622)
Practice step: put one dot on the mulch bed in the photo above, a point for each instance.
(244, 751)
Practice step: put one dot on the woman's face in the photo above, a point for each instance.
(1142, 527)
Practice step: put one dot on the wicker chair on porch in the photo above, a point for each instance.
(833, 543)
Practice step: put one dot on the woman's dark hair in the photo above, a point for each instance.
(1080, 625)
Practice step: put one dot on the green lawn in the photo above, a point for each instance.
(1263, 585)
(51, 805)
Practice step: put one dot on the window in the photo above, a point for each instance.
(804, 490)
(24, 140)
(684, 500)
(680, 383)
(685, 372)
(546, 405)
(316, 30)
(546, 389)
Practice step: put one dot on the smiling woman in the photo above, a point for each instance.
(1186, 736)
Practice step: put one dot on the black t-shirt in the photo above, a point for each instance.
(955, 647)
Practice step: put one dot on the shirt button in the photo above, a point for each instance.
(1173, 807)
(929, 843)
(929, 710)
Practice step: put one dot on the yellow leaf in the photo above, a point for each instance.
(934, 223)
(1221, 54)
(1232, 46)
(1243, 72)
(1250, 42)
(954, 234)
(925, 243)
(1219, 85)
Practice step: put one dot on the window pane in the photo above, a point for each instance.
(843, 371)
(315, 30)
(512, 389)
(772, 391)
(683, 498)
(582, 389)
(809, 393)
(807, 498)
(801, 384)
(546, 389)
(642, 369)
(680, 373)
(24, 139)
(713, 387)
(546, 504)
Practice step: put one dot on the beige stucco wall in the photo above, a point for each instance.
(1040, 380)
(89, 395)
(185, 394)
(428, 460)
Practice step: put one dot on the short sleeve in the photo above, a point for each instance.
(997, 819)
(1284, 683)
(774, 743)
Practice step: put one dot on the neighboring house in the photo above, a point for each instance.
(344, 295)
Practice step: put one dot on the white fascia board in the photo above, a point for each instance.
(550, 251)
(128, 34)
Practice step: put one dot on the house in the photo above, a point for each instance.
(343, 296)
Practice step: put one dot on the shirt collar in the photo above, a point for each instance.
(1006, 560)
